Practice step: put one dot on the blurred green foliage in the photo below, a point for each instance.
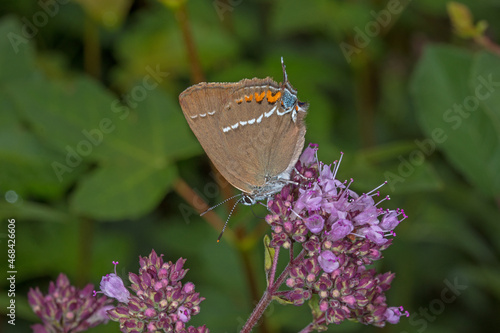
(93, 144)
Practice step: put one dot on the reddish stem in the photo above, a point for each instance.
(307, 329)
(271, 291)
(488, 44)
(272, 273)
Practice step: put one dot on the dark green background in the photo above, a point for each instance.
(385, 107)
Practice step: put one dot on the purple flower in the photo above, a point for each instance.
(328, 181)
(389, 221)
(184, 314)
(328, 261)
(101, 315)
(112, 286)
(38, 328)
(342, 233)
(66, 308)
(375, 234)
(161, 301)
(315, 223)
(368, 216)
(309, 154)
(310, 199)
(393, 314)
(339, 229)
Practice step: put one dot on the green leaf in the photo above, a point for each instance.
(149, 39)
(269, 253)
(455, 112)
(486, 68)
(134, 146)
(16, 51)
(282, 300)
(462, 20)
(296, 15)
(125, 190)
(136, 159)
(27, 210)
(316, 313)
(27, 162)
(65, 113)
(402, 164)
(152, 131)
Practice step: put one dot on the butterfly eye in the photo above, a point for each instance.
(246, 200)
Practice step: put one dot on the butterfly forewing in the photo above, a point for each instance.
(202, 105)
(288, 141)
(244, 129)
(262, 140)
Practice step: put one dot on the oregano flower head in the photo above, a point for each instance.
(342, 233)
(160, 302)
(66, 308)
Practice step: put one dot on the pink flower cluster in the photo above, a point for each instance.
(342, 232)
(67, 308)
(161, 301)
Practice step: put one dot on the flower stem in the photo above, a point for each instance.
(257, 312)
(488, 44)
(307, 329)
(267, 297)
(194, 61)
(91, 48)
(272, 273)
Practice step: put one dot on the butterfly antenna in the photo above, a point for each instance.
(225, 224)
(254, 214)
(285, 76)
(220, 203)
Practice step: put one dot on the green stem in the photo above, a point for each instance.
(365, 77)
(194, 62)
(91, 48)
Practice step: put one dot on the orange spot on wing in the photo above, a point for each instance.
(239, 101)
(260, 97)
(273, 98)
(248, 98)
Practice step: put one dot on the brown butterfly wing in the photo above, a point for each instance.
(203, 105)
(287, 144)
(240, 129)
(266, 143)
